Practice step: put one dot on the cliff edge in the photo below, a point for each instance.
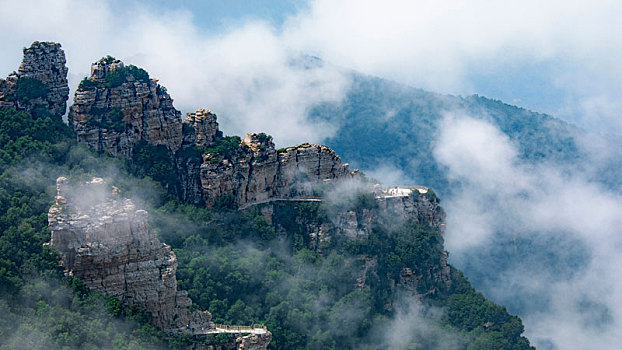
(40, 84)
(121, 111)
(106, 242)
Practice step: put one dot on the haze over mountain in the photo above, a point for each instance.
(319, 255)
(533, 204)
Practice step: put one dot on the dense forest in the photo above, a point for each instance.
(233, 263)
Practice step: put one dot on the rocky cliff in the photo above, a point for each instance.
(260, 173)
(40, 84)
(325, 222)
(106, 242)
(118, 106)
(205, 127)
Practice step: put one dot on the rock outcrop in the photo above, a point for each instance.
(262, 173)
(335, 222)
(106, 242)
(253, 342)
(118, 106)
(40, 82)
(205, 127)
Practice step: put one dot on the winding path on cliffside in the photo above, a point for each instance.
(295, 199)
(313, 199)
(221, 328)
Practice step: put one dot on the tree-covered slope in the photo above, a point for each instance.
(41, 309)
(232, 263)
(385, 124)
(516, 239)
(238, 264)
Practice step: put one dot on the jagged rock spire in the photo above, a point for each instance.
(40, 82)
(105, 241)
(118, 106)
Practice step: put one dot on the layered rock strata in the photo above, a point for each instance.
(253, 342)
(247, 342)
(118, 106)
(200, 130)
(40, 82)
(106, 242)
(263, 173)
(205, 127)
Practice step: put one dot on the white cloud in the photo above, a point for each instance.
(500, 196)
(436, 45)
(243, 74)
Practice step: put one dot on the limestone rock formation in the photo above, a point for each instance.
(119, 106)
(106, 242)
(263, 173)
(40, 82)
(200, 130)
(253, 342)
(242, 342)
(205, 127)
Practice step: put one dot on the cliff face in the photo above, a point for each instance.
(329, 224)
(105, 241)
(253, 342)
(263, 173)
(40, 82)
(119, 106)
(205, 127)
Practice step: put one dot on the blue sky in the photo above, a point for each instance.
(213, 15)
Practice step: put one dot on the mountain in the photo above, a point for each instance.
(388, 129)
(382, 123)
(290, 238)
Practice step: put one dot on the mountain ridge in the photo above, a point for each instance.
(279, 250)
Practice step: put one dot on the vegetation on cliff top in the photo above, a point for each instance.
(237, 265)
(115, 77)
(227, 147)
(223, 255)
(29, 88)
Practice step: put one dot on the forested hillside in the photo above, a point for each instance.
(232, 263)
(395, 131)
(244, 266)
(385, 124)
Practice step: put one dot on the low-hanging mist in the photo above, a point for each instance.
(559, 231)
